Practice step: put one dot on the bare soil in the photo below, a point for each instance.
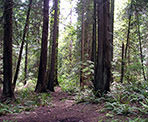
(62, 109)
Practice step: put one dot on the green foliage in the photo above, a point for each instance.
(33, 36)
(120, 109)
(30, 85)
(126, 120)
(4, 109)
(68, 64)
(88, 70)
(144, 108)
(137, 120)
(133, 67)
(87, 96)
(70, 81)
(9, 121)
(26, 100)
(68, 85)
(126, 99)
(31, 99)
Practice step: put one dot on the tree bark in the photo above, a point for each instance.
(107, 47)
(122, 64)
(93, 56)
(53, 53)
(112, 26)
(99, 65)
(56, 64)
(7, 51)
(22, 45)
(50, 45)
(41, 86)
(82, 46)
(103, 68)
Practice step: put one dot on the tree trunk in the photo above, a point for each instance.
(41, 86)
(127, 45)
(56, 64)
(93, 56)
(7, 51)
(99, 65)
(22, 45)
(50, 45)
(82, 46)
(107, 47)
(26, 63)
(128, 32)
(112, 26)
(53, 53)
(122, 64)
(140, 45)
(103, 68)
(93, 53)
(71, 41)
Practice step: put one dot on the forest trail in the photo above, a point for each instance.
(62, 109)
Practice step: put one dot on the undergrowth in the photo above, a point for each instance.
(123, 100)
(26, 100)
(128, 120)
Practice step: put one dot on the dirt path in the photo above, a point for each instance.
(62, 109)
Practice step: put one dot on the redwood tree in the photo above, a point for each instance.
(7, 50)
(41, 86)
(54, 46)
(103, 67)
(112, 26)
(93, 56)
(82, 45)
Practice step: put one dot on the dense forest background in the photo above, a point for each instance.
(94, 48)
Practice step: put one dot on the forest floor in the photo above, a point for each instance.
(63, 108)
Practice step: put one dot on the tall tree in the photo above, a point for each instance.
(71, 39)
(140, 45)
(56, 64)
(22, 44)
(7, 50)
(93, 56)
(82, 45)
(54, 46)
(127, 43)
(103, 68)
(99, 71)
(128, 31)
(112, 26)
(122, 63)
(26, 63)
(50, 45)
(41, 86)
